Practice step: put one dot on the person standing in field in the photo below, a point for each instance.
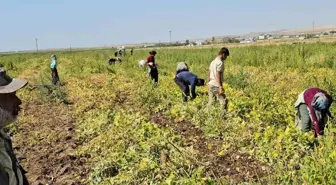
(216, 73)
(11, 172)
(312, 110)
(181, 66)
(152, 68)
(54, 72)
(185, 78)
(132, 51)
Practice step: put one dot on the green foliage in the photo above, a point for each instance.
(113, 106)
(51, 93)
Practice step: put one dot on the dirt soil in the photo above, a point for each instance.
(45, 142)
(239, 167)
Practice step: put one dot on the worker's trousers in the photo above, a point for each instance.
(303, 119)
(54, 76)
(184, 88)
(154, 74)
(213, 93)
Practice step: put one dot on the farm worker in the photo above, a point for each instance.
(11, 172)
(181, 66)
(216, 73)
(142, 63)
(186, 78)
(132, 51)
(312, 110)
(152, 68)
(114, 60)
(53, 67)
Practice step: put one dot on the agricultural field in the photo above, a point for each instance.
(109, 124)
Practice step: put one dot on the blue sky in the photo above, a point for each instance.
(83, 23)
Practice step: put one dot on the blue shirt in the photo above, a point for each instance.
(188, 78)
(53, 63)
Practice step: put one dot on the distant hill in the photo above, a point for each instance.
(317, 29)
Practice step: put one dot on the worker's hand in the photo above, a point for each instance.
(221, 91)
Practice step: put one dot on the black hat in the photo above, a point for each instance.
(153, 52)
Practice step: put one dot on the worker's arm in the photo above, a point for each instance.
(4, 179)
(193, 88)
(147, 61)
(315, 121)
(219, 70)
(218, 78)
(5, 170)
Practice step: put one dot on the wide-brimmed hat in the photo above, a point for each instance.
(8, 84)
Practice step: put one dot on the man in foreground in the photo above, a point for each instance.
(312, 110)
(186, 78)
(216, 73)
(11, 172)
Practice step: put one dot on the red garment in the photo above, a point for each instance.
(150, 58)
(309, 98)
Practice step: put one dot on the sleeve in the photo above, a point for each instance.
(314, 119)
(4, 179)
(220, 67)
(193, 88)
(147, 63)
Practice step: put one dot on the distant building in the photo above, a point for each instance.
(286, 37)
(245, 42)
(261, 37)
(276, 36)
(264, 36)
(199, 43)
(302, 38)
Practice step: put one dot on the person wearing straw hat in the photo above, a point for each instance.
(11, 172)
(312, 110)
